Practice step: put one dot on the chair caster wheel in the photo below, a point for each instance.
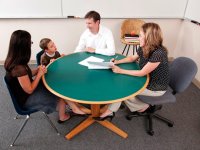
(128, 118)
(150, 132)
(170, 124)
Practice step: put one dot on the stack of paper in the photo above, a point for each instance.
(96, 63)
(100, 65)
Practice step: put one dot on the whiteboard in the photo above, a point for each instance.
(126, 8)
(30, 8)
(106, 8)
(193, 10)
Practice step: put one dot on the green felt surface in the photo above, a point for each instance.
(70, 79)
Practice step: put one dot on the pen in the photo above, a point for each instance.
(115, 58)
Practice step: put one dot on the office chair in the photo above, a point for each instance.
(182, 71)
(38, 56)
(23, 112)
(128, 26)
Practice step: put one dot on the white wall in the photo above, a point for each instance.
(66, 32)
(188, 43)
(193, 11)
(30, 8)
(180, 37)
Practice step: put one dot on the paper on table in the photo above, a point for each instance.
(95, 63)
(100, 65)
(91, 58)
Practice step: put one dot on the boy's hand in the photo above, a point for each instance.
(52, 60)
(62, 55)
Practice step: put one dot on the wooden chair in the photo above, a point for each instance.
(127, 27)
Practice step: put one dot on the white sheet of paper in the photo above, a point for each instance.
(91, 58)
(100, 65)
(97, 67)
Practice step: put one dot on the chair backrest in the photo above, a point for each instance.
(17, 107)
(38, 57)
(130, 25)
(182, 72)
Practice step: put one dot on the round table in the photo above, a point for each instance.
(69, 80)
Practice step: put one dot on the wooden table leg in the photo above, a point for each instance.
(80, 128)
(113, 128)
(95, 110)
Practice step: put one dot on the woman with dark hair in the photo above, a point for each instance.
(31, 92)
(153, 60)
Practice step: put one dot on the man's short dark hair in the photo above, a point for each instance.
(93, 14)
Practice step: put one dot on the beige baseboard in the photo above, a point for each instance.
(170, 59)
(2, 63)
(30, 62)
(196, 82)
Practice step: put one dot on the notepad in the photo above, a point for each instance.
(102, 65)
(91, 58)
(96, 63)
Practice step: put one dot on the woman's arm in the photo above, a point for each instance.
(127, 59)
(148, 68)
(29, 86)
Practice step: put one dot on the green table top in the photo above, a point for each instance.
(72, 81)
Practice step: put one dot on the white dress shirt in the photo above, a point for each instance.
(102, 42)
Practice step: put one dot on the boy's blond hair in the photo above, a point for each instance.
(44, 42)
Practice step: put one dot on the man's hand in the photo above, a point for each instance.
(90, 49)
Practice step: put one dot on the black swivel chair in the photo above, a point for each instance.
(38, 56)
(23, 112)
(182, 71)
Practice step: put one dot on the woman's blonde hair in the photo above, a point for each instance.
(153, 38)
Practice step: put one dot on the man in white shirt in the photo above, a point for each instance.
(96, 39)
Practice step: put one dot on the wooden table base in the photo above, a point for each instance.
(95, 111)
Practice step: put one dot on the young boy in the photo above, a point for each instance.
(49, 55)
(50, 51)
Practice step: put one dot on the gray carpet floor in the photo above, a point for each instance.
(39, 135)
